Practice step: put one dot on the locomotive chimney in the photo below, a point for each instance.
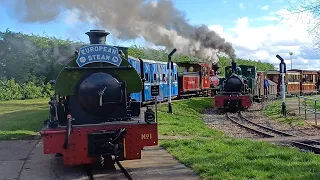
(97, 36)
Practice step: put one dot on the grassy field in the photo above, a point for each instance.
(22, 118)
(221, 157)
(185, 119)
(218, 157)
(273, 110)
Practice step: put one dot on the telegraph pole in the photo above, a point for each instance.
(170, 67)
(283, 72)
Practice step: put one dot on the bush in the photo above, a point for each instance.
(11, 90)
(31, 90)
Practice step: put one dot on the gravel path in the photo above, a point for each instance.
(218, 120)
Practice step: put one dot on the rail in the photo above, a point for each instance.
(306, 107)
(305, 143)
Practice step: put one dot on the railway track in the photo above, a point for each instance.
(306, 144)
(124, 171)
(90, 174)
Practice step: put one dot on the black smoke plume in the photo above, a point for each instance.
(157, 21)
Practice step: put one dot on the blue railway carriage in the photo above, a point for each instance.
(154, 73)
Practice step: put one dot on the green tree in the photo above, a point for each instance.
(39, 59)
(23, 55)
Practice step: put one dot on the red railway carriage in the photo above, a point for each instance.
(293, 82)
(205, 78)
(307, 81)
(194, 79)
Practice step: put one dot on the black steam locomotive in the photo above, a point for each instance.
(238, 88)
(93, 116)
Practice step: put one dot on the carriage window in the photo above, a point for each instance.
(175, 77)
(308, 78)
(146, 76)
(163, 77)
(293, 78)
(154, 77)
(204, 71)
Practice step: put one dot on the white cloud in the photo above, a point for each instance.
(218, 29)
(241, 6)
(266, 41)
(72, 17)
(265, 7)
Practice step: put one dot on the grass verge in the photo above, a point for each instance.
(22, 118)
(242, 159)
(221, 157)
(273, 110)
(186, 118)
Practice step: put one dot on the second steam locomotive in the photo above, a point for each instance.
(238, 88)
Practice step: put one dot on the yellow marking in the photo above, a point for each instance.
(124, 148)
(146, 136)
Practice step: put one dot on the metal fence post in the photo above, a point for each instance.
(315, 111)
(299, 105)
(305, 108)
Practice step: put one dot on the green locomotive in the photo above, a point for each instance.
(239, 88)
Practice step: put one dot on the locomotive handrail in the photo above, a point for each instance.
(68, 132)
(105, 67)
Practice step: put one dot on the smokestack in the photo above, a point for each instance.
(215, 67)
(97, 36)
(234, 66)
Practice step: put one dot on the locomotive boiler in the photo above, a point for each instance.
(92, 116)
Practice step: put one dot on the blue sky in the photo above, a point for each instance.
(250, 26)
(224, 12)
